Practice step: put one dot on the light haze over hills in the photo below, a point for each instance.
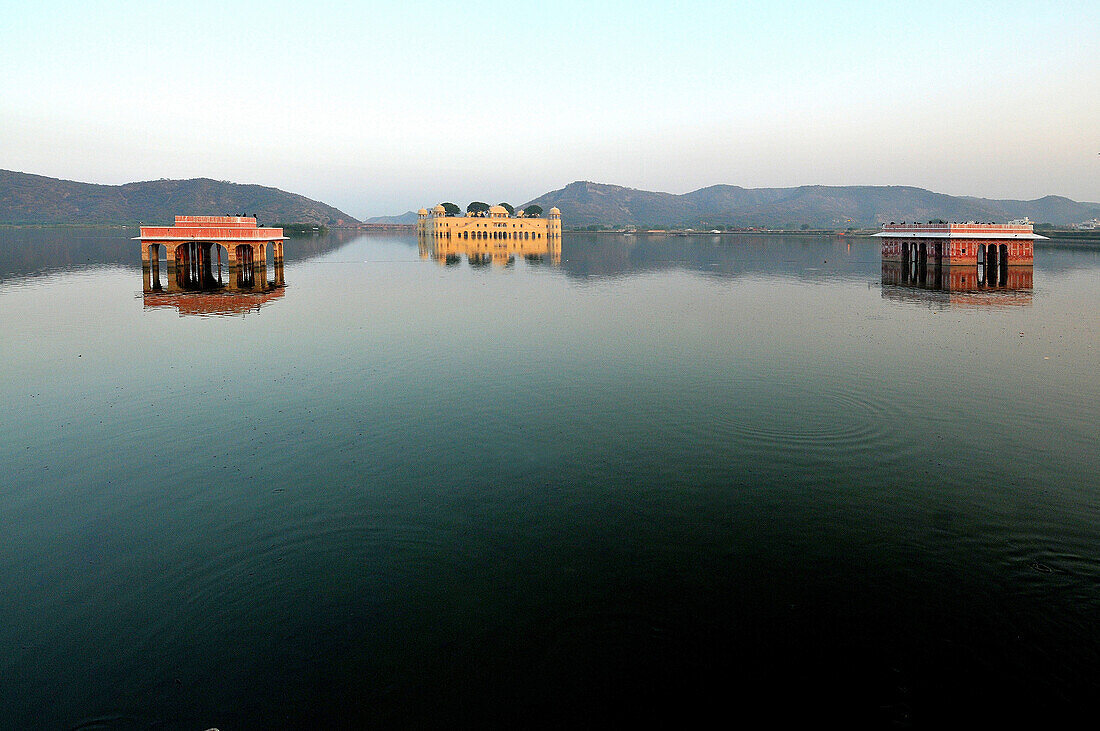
(408, 217)
(819, 206)
(378, 108)
(35, 199)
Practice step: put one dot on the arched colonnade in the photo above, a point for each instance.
(916, 257)
(196, 265)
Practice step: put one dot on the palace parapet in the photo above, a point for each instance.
(497, 225)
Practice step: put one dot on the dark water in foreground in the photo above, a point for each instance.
(661, 477)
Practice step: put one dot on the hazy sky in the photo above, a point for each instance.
(382, 107)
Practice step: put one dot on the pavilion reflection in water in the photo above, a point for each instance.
(198, 286)
(213, 303)
(988, 284)
(482, 252)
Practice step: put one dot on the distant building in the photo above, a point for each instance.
(496, 226)
(1092, 225)
(952, 244)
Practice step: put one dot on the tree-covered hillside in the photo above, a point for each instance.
(36, 199)
(818, 206)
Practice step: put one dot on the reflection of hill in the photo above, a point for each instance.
(591, 255)
(608, 255)
(33, 251)
(303, 248)
(27, 251)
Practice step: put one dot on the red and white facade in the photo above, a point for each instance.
(954, 244)
(193, 243)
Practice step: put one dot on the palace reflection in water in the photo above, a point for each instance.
(484, 251)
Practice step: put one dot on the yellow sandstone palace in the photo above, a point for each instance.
(496, 226)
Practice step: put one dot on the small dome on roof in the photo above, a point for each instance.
(439, 209)
(422, 212)
(555, 210)
(498, 209)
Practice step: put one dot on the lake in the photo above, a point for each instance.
(643, 479)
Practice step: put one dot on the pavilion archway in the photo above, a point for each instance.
(207, 252)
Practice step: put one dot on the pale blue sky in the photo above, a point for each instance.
(378, 108)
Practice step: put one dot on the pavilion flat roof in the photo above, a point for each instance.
(947, 234)
(202, 233)
(210, 228)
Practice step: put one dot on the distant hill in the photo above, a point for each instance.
(408, 217)
(35, 199)
(819, 206)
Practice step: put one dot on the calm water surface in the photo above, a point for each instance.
(658, 476)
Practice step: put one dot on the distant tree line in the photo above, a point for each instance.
(480, 209)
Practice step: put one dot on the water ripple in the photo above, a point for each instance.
(783, 413)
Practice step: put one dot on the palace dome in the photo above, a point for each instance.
(422, 212)
(555, 210)
(439, 209)
(498, 210)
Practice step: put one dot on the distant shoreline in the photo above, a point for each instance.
(1082, 236)
(132, 226)
(769, 232)
(298, 230)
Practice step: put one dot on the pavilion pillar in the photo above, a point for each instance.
(207, 271)
(146, 267)
(278, 255)
(154, 265)
(259, 258)
(172, 262)
(233, 277)
(243, 266)
(185, 259)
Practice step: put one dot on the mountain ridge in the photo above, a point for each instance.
(404, 219)
(585, 202)
(26, 198)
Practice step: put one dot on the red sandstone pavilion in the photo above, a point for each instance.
(953, 244)
(193, 244)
